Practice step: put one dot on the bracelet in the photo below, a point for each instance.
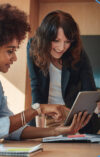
(23, 118)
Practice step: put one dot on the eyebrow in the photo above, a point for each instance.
(12, 47)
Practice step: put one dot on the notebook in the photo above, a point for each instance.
(20, 151)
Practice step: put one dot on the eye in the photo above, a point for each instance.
(56, 40)
(68, 42)
(10, 51)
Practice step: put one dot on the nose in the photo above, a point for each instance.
(14, 57)
(61, 46)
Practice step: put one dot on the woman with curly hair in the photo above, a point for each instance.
(13, 29)
(58, 65)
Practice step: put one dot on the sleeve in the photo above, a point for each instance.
(4, 114)
(33, 73)
(86, 73)
(16, 134)
(5, 121)
(4, 126)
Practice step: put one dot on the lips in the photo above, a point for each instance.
(8, 65)
(58, 51)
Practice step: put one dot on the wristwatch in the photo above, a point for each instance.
(36, 106)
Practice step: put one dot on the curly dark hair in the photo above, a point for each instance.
(13, 24)
(47, 32)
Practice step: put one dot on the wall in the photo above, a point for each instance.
(87, 14)
(15, 98)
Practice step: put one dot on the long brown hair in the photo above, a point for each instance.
(47, 32)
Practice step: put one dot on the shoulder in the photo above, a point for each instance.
(84, 60)
(29, 48)
(1, 89)
(83, 55)
(29, 43)
(1, 92)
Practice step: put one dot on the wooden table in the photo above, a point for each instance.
(61, 149)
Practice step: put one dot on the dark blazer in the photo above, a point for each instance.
(72, 80)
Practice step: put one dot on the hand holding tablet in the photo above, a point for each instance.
(85, 101)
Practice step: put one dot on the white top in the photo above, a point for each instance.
(55, 94)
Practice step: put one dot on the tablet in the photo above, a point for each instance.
(85, 101)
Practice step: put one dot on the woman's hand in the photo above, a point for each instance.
(79, 121)
(56, 111)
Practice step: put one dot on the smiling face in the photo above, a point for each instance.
(60, 45)
(7, 55)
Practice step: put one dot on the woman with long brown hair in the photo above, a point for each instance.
(58, 65)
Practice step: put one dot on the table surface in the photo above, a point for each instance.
(60, 149)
